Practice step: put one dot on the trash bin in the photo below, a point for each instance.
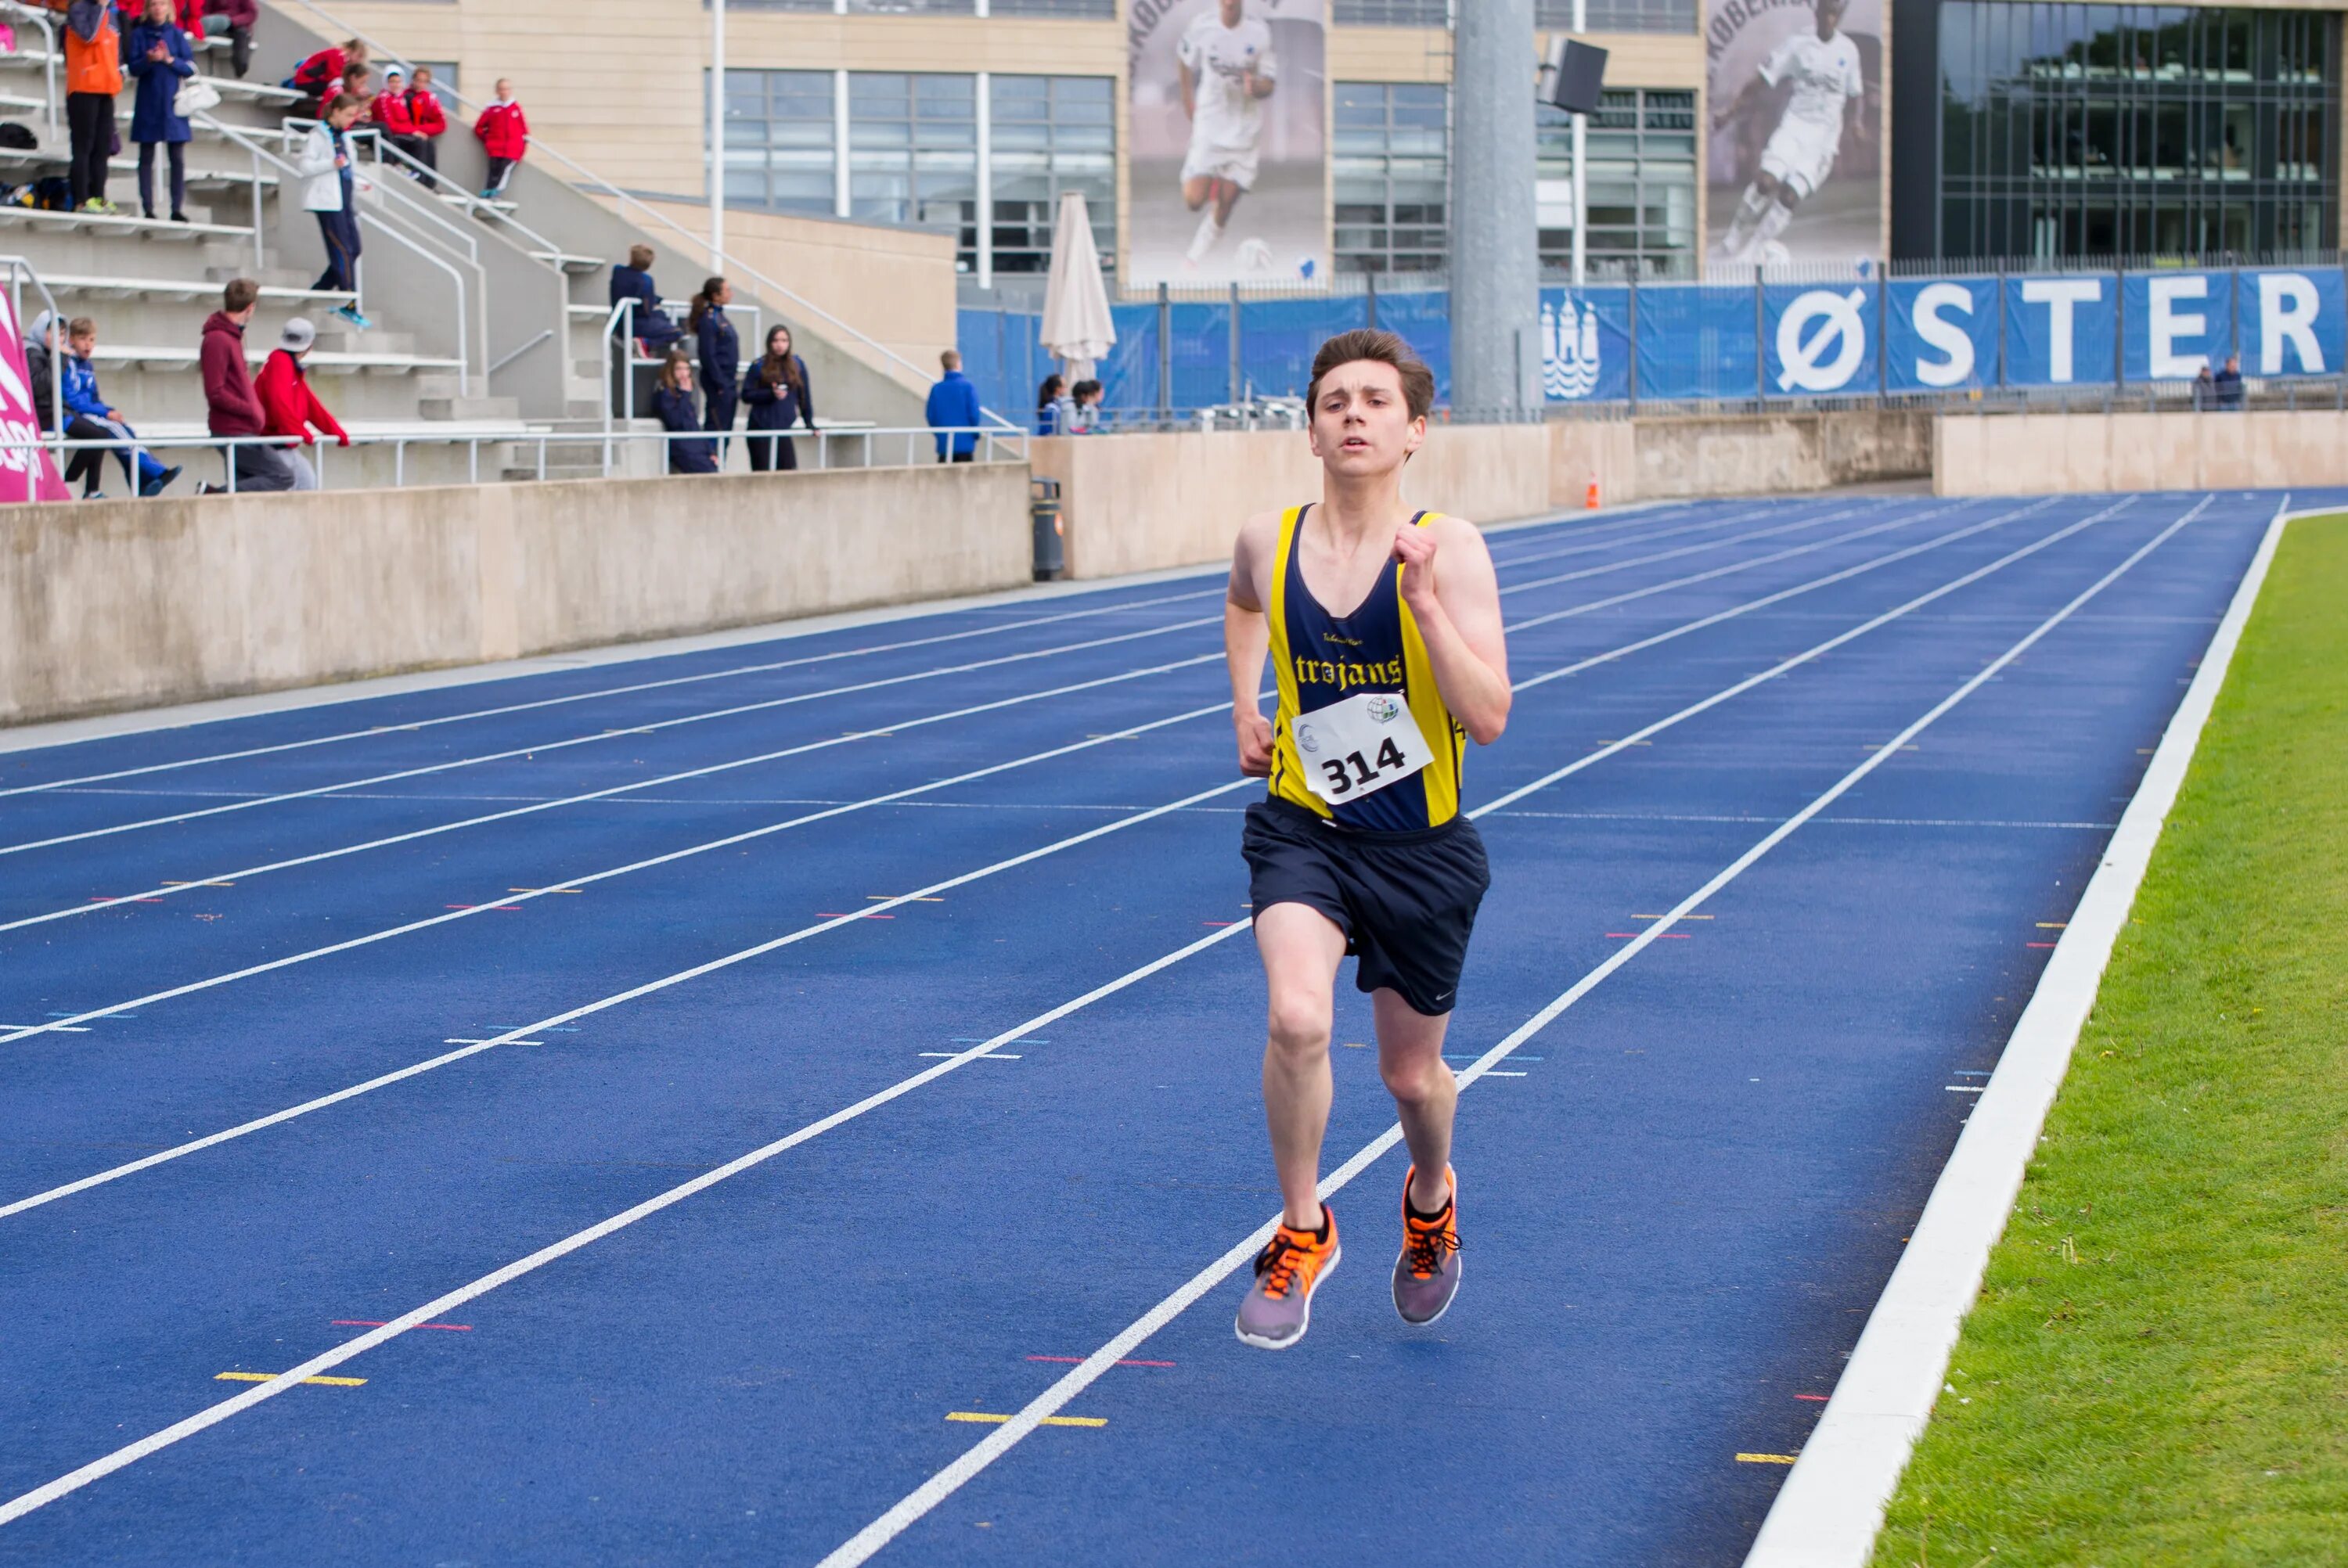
(1044, 510)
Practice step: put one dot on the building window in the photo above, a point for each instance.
(1620, 15)
(1642, 185)
(912, 153)
(2123, 130)
(1050, 135)
(1394, 12)
(779, 140)
(1390, 172)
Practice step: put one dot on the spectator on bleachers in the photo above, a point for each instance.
(93, 75)
(674, 402)
(721, 356)
(2228, 382)
(358, 82)
(290, 406)
(322, 73)
(1051, 405)
(953, 405)
(1085, 413)
(504, 132)
(232, 406)
(160, 58)
(44, 345)
(632, 280)
(236, 18)
(388, 114)
(91, 418)
(777, 393)
(323, 167)
(431, 124)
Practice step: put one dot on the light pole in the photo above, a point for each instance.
(1495, 359)
(718, 134)
(1580, 174)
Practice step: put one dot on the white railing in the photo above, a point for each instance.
(41, 19)
(719, 260)
(838, 447)
(20, 271)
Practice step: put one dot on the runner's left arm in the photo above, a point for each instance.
(1457, 608)
(1247, 643)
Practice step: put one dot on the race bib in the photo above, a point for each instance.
(1358, 745)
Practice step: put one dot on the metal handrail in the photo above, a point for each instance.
(40, 18)
(460, 236)
(720, 260)
(464, 332)
(19, 269)
(471, 204)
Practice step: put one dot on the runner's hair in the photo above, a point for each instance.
(1380, 348)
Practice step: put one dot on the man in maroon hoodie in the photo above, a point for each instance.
(232, 406)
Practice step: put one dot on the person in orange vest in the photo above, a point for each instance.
(505, 136)
(93, 75)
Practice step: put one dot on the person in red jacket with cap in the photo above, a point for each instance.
(289, 405)
(505, 136)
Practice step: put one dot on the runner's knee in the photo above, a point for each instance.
(1299, 1024)
(1414, 1080)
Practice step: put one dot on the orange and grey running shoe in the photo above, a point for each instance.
(1427, 1274)
(1279, 1305)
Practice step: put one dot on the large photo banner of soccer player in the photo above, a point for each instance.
(1796, 156)
(1229, 142)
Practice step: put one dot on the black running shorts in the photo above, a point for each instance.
(1405, 901)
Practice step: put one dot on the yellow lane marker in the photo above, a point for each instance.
(2053, 925)
(265, 1377)
(985, 1419)
(1765, 1458)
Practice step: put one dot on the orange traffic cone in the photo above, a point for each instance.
(1590, 496)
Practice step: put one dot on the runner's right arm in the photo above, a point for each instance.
(1247, 642)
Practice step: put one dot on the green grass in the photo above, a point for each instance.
(2157, 1371)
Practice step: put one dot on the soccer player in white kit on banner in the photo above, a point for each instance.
(1827, 91)
(1228, 70)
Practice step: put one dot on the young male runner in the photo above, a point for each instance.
(1228, 70)
(1360, 847)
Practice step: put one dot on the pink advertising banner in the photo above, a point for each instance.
(28, 473)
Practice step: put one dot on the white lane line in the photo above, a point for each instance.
(1828, 1511)
(243, 873)
(1523, 558)
(735, 711)
(1031, 1417)
(1587, 761)
(934, 672)
(732, 672)
(246, 873)
(944, 1484)
(1707, 546)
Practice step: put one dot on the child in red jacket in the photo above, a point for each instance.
(289, 407)
(424, 114)
(505, 135)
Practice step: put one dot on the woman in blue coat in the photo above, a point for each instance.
(673, 404)
(158, 56)
(721, 356)
(780, 397)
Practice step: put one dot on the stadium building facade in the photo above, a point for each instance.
(2008, 129)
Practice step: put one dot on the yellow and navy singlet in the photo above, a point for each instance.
(1319, 659)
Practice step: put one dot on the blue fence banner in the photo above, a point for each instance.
(2059, 330)
(2176, 323)
(1819, 340)
(1940, 334)
(1585, 345)
(2294, 322)
(1697, 343)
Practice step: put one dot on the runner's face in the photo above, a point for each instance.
(1362, 423)
(1829, 17)
(1234, 11)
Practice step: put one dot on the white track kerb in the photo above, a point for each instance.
(1832, 1504)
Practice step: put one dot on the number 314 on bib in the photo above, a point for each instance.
(1360, 744)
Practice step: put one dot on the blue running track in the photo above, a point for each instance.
(663, 1101)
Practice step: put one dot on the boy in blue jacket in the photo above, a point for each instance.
(87, 416)
(954, 412)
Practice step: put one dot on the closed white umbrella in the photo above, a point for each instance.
(1077, 325)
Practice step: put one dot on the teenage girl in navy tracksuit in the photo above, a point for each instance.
(721, 356)
(673, 404)
(780, 397)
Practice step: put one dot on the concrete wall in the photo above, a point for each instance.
(1144, 503)
(2035, 454)
(1752, 454)
(128, 604)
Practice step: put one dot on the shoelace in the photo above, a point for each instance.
(1277, 1264)
(1425, 1247)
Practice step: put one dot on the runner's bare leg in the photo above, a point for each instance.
(1300, 949)
(1426, 1092)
